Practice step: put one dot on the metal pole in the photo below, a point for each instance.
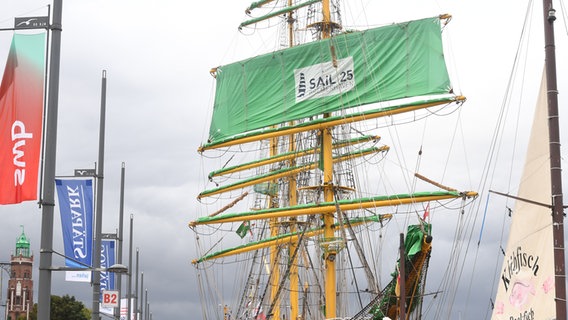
(6, 266)
(99, 208)
(136, 287)
(555, 160)
(147, 304)
(129, 295)
(402, 279)
(48, 197)
(120, 237)
(1, 289)
(141, 295)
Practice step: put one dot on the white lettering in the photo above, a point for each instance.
(324, 79)
(77, 222)
(18, 135)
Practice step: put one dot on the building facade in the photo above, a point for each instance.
(20, 286)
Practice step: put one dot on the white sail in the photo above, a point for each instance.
(526, 285)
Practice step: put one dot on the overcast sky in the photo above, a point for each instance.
(158, 54)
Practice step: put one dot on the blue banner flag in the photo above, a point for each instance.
(107, 260)
(76, 208)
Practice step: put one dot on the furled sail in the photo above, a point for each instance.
(526, 286)
(348, 70)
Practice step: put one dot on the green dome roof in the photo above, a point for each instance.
(23, 245)
(22, 241)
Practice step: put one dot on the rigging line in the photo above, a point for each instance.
(419, 285)
(201, 289)
(268, 285)
(499, 259)
(418, 162)
(227, 162)
(493, 154)
(342, 217)
(286, 273)
(248, 283)
(564, 16)
(214, 245)
(457, 126)
(452, 57)
(416, 169)
(483, 220)
(423, 281)
(517, 123)
(471, 280)
(448, 284)
(468, 243)
(400, 156)
(312, 268)
(212, 287)
(209, 113)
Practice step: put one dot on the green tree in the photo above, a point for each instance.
(64, 308)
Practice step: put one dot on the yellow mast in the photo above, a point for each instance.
(328, 218)
(293, 200)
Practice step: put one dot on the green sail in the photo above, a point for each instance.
(348, 70)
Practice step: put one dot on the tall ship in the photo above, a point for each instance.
(310, 214)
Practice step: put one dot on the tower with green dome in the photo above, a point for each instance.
(20, 286)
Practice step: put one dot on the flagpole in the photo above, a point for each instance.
(48, 198)
(96, 261)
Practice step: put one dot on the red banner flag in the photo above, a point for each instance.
(21, 114)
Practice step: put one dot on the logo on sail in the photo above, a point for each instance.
(518, 261)
(323, 79)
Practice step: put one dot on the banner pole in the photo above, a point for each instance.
(129, 295)
(120, 236)
(99, 208)
(48, 197)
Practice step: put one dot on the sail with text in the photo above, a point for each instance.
(21, 116)
(526, 285)
(349, 70)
